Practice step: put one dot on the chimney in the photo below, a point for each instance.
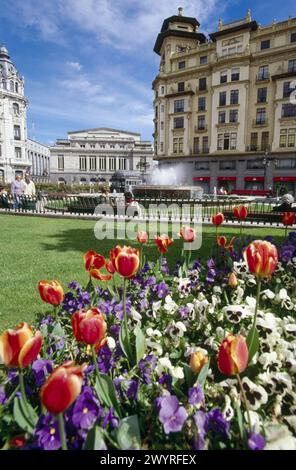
(180, 11)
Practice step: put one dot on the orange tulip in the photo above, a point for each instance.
(232, 280)
(125, 260)
(233, 355)
(218, 219)
(289, 218)
(62, 387)
(18, 347)
(222, 242)
(197, 361)
(240, 212)
(89, 326)
(142, 237)
(94, 263)
(188, 234)
(261, 257)
(163, 242)
(51, 292)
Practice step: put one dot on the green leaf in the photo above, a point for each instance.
(94, 440)
(240, 421)
(113, 293)
(24, 415)
(124, 340)
(253, 342)
(140, 343)
(106, 392)
(190, 376)
(58, 330)
(202, 376)
(128, 433)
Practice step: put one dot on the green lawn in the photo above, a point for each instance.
(34, 248)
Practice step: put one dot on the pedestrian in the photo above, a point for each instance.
(30, 190)
(17, 191)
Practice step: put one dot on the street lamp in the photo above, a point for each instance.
(266, 163)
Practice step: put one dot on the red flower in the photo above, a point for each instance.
(218, 219)
(261, 257)
(94, 263)
(233, 355)
(62, 387)
(188, 234)
(240, 212)
(222, 242)
(289, 218)
(142, 237)
(51, 292)
(89, 326)
(17, 442)
(125, 260)
(18, 347)
(163, 242)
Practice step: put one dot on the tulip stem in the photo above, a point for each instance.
(23, 391)
(125, 319)
(257, 302)
(94, 356)
(62, 431)
(245, 402)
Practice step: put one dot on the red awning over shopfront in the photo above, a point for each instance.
(226, 178)
(254, 178)
(284, 178)
(201, 178)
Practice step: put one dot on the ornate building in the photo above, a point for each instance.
(93, 155)
(225, 106)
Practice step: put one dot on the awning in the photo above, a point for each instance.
(254, 178)
(226, 178)
(284, 178)
(201, 178)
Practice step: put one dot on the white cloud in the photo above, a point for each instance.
(74, 65)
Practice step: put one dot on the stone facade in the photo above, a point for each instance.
(39, 157)
(225, 106)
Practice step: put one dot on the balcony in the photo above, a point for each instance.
(200, 128)
(258, 122)
(262, 77)
(202, 151)
(202, 90)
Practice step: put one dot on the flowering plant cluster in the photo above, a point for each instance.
(199, 356)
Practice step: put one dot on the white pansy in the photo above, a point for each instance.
(227, 410)
(250, 303)
(291, 420)
(217, 290)
(279, 437)
(153, 333)
(268, 294)
(153, 345)
(256, 421)
(170, 305)
(165, 365)
(192, 349)
(267, 358)
(136, 315)
(236, 313)
(111, 342)
(256, 394)
(238, 295)
(155, 307)
(176, 329)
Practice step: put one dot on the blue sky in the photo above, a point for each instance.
(90, 63)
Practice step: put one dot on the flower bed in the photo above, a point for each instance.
(199, 358)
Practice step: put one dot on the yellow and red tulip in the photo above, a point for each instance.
(163, 242)
(89, 326)
(188, 234)
(62, 387)
(19, 347)
(142, 237)
(94, 262)
(289, 218)
(261, 257)
(125, 260)
(51, 292)
(222, 242)
(218, 219)
(233, 355)
(240, 212)
(197, 361)
(232, 280)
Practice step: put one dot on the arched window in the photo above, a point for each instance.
(11, 85)
(16, 87)
(16, 109)
(4, 85)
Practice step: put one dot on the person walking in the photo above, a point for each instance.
(17, 191)
(30, 190)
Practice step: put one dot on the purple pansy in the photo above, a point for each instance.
(105, 359)
(2, 395)
(217, 423)
(110, 419)
(131, 389)
(171, 414)
(166, 381)
(162, 290)
(86, 409)
(41, 368)
(195, 395)
(47, 433)
(200, 419)
(256, 442)
(147, 366)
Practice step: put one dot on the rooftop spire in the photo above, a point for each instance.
(180, 11)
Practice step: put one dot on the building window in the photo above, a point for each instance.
(261, 116)
(261, 95)
(265, 141)
(205, 144)
(61, 163)
(233, 140)
(17, 132)
(286, 163)
(18, 153)
(92, 146)
(93, 163)
(162, 90)
(265, 44)
(181, 65)
(288, 110)
(255, 164)
(202, 166)
(82, 163)
(112, 146)
(227, 141)
(201, 123)
(11, 85)
(234, 96)
(179, 106)
(233, 115)
(227, 165)
(178, 145)
(223, 76)
(112, 163)
(202, 84)
(201, 103)
(222, 117)
(181, 86)
(196, 145)
(161, 125)
(16, 109)
(203, 60)
(102, 164)
(235, 74)
(263, 73)
(102, 146)
(122, 163)
(293, 37)
(82, 146)
(254, 141)
(222, 98)
(287, 137)
(292, 66)
(161, 146)
(179, 123)
(291, 137)
(283, 138)
(16, 87)
(162, 108)
(286, 89)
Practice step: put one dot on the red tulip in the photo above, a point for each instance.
(62, 387)
(163, 242)
(18, 442)
(240, 212)
(89, 326)
(188, 234)
(125, 260)
(218, 219)
(289, 218)
(261, 257)
(18, 347)
(94, 263)
(233, 355)
(142, 237)
(222, 242)
(110, 268)
(51, 292)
